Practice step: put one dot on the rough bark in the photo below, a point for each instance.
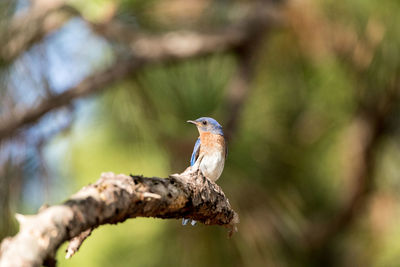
(113, 199)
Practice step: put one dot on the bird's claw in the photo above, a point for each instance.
(185, 222)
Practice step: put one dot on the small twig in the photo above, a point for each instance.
(76, 243)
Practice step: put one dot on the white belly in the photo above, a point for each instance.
(212, 165)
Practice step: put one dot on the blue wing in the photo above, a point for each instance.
(195, 155)
(196, 151)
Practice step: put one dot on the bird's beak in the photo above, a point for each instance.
(194, 122)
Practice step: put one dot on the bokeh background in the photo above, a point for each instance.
(307, 92)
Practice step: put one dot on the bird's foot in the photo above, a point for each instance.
(185, 222)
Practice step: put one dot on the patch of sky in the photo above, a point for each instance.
(63, 59)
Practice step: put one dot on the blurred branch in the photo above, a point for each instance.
(10, 124)
(145, 49)
(364, 136)
(321, 37)
(113, 199)
(30, 26)
(239, 86)
(184, 44)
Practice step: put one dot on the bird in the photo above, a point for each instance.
(209, 152)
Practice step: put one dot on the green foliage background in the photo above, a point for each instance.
(286, 165)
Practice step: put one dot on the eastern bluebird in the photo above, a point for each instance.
(209, 151)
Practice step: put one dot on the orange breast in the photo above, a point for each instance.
(211, 143)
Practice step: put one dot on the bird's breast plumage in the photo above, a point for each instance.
(211, 143)
(212, 150)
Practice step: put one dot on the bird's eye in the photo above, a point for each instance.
(204, 122)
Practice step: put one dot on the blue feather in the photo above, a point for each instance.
(195, 152)
(193, 159)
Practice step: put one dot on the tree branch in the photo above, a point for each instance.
(92, 84)
(365, 133)
(113, 199)
(40, 19)
(240, 84)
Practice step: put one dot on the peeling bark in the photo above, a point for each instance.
(113, 199)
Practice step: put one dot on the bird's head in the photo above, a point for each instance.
(206, 124)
